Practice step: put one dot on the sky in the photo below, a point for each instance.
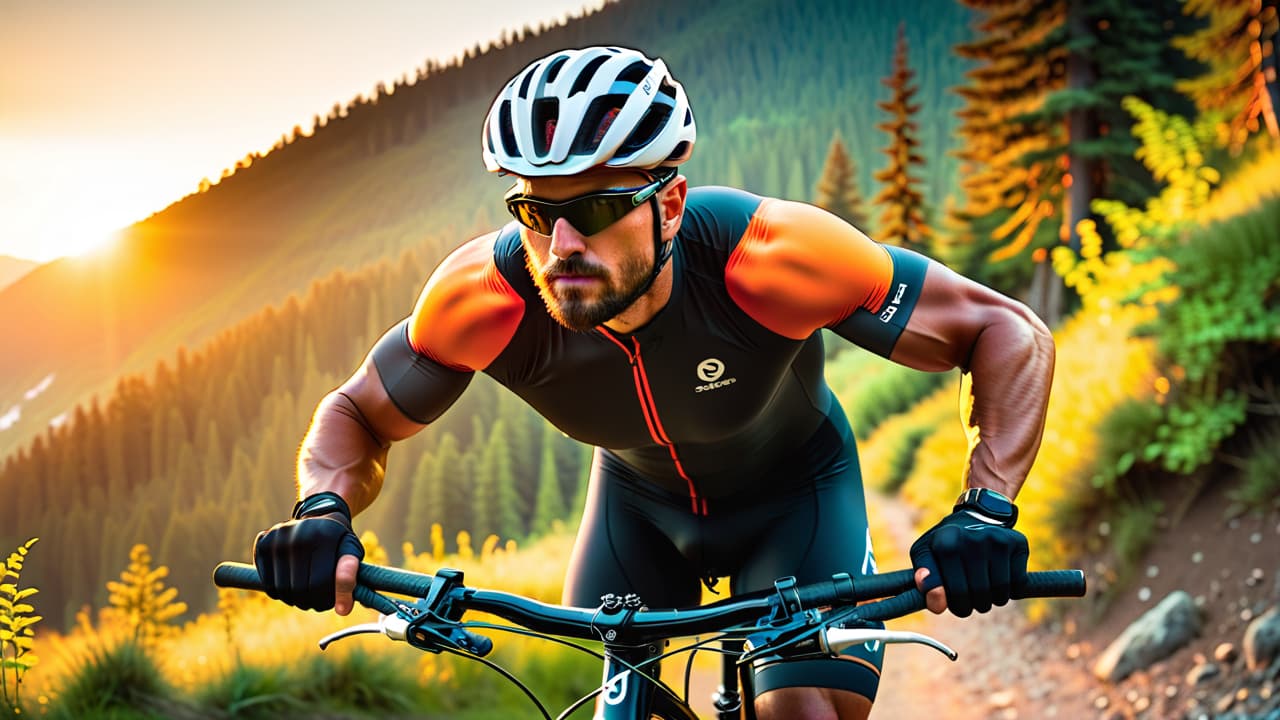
(110, 111)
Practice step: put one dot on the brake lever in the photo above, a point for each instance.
(834, 639)
(393, 626)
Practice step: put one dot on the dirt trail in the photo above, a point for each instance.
(1004, 665)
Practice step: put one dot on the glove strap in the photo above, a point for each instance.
(322, 503)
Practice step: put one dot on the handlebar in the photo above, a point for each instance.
(445, 598)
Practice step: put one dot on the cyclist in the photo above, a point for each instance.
(677, 330)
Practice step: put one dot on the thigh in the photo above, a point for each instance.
(622, 548)
(817, 536)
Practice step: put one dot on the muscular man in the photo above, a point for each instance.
(677, 331)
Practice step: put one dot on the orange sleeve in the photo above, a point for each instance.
(468, 312)
(798, 268)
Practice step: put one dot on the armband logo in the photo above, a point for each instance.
(892, 310)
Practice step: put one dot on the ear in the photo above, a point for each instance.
(671, 203)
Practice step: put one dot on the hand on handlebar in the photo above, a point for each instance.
(310, 562)
(967, 563)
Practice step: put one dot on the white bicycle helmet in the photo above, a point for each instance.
(578, 109)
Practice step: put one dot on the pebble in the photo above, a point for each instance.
(1246, 614)
(1144, 594)
(1141, 704)
(1201, 673)
(1073, 651)
(1197, 557)
(1002, 699)
(1225, 652)
(1101, 702)
(1255, 538)
(1224, 703)
(1131, 695)
(1104, 528)
(1152, 571)
(1170, 691)
(1201, 601)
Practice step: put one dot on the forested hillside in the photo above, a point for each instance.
(399, 169)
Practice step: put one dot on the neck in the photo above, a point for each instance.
(640, 312)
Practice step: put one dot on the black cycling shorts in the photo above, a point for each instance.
(807, 519)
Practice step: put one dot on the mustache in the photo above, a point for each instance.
(574, 265)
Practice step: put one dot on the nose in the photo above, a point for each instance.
(566, 241)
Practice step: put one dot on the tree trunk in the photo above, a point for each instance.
(1271, 67)
(1082, 126)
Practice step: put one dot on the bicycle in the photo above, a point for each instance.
(788, 621)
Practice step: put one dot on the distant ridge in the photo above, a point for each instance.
(12, 269)
(400, 171)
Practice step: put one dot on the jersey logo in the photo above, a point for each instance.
(710, 371)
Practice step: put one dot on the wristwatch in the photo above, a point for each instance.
(987, 504)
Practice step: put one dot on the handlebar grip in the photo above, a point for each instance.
(237, 575)
(1051, 583)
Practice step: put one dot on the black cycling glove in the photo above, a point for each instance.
(976, 560)
(297, 560)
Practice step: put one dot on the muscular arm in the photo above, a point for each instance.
(798, 268)
(1009, 354)
(345, 449)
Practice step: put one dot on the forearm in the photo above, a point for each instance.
(1011, 369)
(342, 454)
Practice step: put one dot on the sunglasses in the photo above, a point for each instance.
(588, 214)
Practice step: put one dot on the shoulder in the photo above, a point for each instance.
(798, 268)
(468, 312)
(717, 216)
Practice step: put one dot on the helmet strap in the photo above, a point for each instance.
(661, 253)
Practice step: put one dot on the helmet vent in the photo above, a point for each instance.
(634, 73)
(581, 82)
(595, 122)
(546, 113)
(554, 68)
(645, 131)
(505, 130)
(524, 86)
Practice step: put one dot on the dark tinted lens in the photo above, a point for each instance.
(590, 215)
(532, 215)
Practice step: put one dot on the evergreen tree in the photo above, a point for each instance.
(550, 500)
(425, 501)
(902, 223)
(837, 190)
(497, 505)
(1239, 46)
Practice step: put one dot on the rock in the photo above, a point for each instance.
(1141, 704)
(1154, 636)
(1224, 703)
(1101, 702)
(1201, 673)
(1225, 653)
(1262, 640)
(1002, 699)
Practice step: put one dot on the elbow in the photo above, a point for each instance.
(1037, 341)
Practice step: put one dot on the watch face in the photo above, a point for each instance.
(995, 504)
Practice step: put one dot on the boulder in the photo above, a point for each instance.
(1151, 638)
(1262, 639)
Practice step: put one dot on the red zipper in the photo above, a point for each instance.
(650, 410)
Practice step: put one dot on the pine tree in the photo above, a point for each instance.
(425, 501)
(902, 223)
(1239, 46)
(549, 506)
(837, 190)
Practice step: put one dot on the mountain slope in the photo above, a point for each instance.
(400, 171)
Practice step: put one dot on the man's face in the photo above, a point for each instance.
(586, 281)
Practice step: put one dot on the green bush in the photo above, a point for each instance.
(376, 683)
(248, 691)
(1217, 335)
(119, 682)
(1259, 487)
(903, 454)
(872, 389)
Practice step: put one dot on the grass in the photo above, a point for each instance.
(118, 681)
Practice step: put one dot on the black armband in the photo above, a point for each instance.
(420, 387)
(879, 332)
